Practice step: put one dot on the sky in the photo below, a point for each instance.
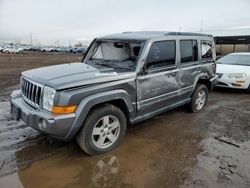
(66, 22)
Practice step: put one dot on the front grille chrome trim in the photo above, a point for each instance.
(31, 92)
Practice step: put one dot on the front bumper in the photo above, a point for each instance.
(226, 82)
(56, 126)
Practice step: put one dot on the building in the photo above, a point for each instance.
(229, 41)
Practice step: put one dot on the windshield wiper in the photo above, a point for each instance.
(104, 64)
(113, 66)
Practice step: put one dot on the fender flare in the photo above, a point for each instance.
(204, 76)
(87, 103)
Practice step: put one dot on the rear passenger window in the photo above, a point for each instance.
(189, 51)
(161, 54)
(206, 50)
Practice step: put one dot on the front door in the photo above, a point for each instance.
(158, 87)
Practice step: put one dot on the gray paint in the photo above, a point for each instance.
(145, 94)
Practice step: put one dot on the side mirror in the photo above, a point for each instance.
(83, 55)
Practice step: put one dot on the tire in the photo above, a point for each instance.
(98, 134)
(199, 90)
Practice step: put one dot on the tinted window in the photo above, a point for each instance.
(161, 54)
(206, 50)
(189, 51)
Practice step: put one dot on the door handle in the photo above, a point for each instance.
(174, 74)
(196, 69)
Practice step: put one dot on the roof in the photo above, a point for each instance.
(145, 35)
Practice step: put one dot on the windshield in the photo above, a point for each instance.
(121, 55)
(234, 59)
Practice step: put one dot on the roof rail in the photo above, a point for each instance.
(188, 34)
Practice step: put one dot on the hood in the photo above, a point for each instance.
(73, 75)
(223, 68)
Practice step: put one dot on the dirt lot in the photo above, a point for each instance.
(11, 65)
(175, 149)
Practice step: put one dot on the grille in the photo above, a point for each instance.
(31, 92)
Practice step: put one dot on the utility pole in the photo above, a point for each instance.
(201, 26)
(30, 38)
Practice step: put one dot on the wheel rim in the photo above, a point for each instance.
(201, 99)
(106, 131)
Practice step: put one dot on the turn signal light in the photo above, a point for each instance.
(64, 109)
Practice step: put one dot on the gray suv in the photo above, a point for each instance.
(123, 79)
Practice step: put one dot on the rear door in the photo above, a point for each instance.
(158, 87)
(189, 66)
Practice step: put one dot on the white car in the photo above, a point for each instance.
(11, 49)
(233, 71)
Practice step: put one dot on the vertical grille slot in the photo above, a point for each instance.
(31, 92)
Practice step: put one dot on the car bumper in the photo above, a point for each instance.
(226, 82)
(57, 126)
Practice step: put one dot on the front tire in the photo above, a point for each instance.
(103, 130)
(199, 99)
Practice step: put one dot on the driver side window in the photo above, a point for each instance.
(162, 54)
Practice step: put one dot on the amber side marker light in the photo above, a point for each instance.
(64, 109)
(240, 81)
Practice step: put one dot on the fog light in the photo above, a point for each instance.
(42, 124)
(236, 85)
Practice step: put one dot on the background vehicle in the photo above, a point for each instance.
(123, 79)
(233, 71)
(78, 50)
(1, 48)
(47, 49)
(11, 49)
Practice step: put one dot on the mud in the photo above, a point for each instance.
(175, 149)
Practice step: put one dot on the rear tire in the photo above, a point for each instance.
(103, 130)
(199, 99)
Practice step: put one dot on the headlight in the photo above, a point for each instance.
(48, 98)
(236, 75)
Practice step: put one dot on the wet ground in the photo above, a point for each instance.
(175, 149)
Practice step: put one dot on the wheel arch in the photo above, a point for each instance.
(119, 98)
(204, 79)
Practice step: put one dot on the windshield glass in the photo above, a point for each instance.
(234, 59)
(121, 55)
